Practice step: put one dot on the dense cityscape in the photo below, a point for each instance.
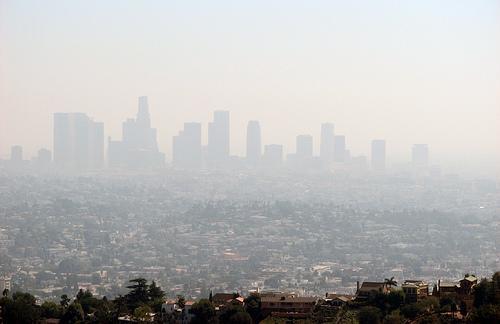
(210, 222)
(249, 162)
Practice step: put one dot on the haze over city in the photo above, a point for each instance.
(249, 162)
(408, 73)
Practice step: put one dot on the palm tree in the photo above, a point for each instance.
(390, 282)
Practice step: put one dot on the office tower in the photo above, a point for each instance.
(378, 155)
(327, 144)
(218, 139)
(44, 157)
(16, 153)
(43, 160)
(273, 155)
(78, 142)
(187, 147)
(339, 152)
(138, 147)
(420, 155)
(254, 145)
(304, 146)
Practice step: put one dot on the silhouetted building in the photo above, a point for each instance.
(273, 156)
(420, 155)
(187, 147)
(327, 144)
(304, 146)
(254, 146)
(78, 142)
(378, 155)
(44, 158)
(218, 139)
(16, 153)
(340, 154)
(138, 147)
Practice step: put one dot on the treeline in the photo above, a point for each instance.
(392, 308)
(142, 304)
(142, 300)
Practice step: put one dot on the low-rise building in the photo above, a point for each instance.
(415, 290)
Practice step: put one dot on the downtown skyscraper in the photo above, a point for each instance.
(327, 144)
(254, 143)
(187, 147)
(78, 142)
(378, 155)
(138, 147)
(218, 140)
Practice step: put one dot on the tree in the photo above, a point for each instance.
(73, 314)
(203, 311)
(181, 301)
(369, 315)
(64, 301)
(51, 309)
(485, 314)
(395, 299)
(155, 296)
(390, 282)
(142, 314)
(138, 294)
(232, 313)
(394, 318)
(252, 306)
(21, 308)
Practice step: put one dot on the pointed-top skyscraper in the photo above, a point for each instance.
(138, 147)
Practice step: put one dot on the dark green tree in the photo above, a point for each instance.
(369, 315)
(203, 311)
(51, 309)
(73, 314)
(21, 308)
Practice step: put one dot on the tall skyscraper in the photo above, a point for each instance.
(44, 158)
(378, 155)
(218, 139)
(420, 155)
(339, 152)
(16, 153)
(304, 146)
(327, 144)
(187, 147)
(254, 146)
(78, 142)
(138, 147)
(273, 156)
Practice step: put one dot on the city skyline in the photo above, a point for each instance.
(397, 71)
(79, 145)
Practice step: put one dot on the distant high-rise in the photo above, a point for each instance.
(273, 155)
(16, 153)
(187, 147)
(304, 146)
(218, 139)
(378, 155)
(339, 152)
(327, 144)
(254, 146)
(420, 155)
(138, 147)
(44, 157)
(78, 142)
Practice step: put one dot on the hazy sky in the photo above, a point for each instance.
(405, 71)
